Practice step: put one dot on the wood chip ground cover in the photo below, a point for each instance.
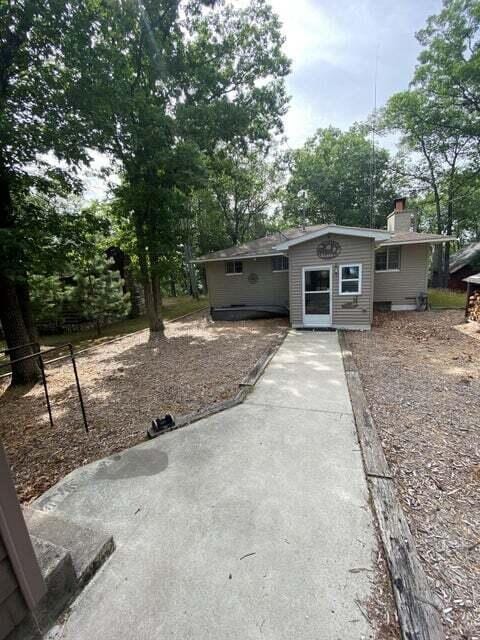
(422, 381)
(125, 385)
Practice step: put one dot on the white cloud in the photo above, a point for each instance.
(301, 122)
(312, 35)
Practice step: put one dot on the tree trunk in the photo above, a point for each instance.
(23, 295)
(155, 323)
(437, 265)
(192, 276)
(173, 288)
(446, 251)
(437, 258)
(11, 315)
(16, 334)
(157, 305)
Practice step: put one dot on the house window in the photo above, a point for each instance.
(279, 263)
(350, 280)
(387, 259)
(233, 267)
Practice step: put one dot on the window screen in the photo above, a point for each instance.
(233, 266)
(387, 259)
(279, 263)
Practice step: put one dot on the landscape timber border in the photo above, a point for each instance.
(418, 613)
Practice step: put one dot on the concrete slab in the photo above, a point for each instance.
(247, 524)
(306, 373)
(88, 548)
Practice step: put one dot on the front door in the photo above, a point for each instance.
(317, 302)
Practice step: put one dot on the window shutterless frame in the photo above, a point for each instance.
(342, 279)
(386, 252)
(233, 268)
(279, 263)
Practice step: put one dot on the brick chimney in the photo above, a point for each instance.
(401, 220)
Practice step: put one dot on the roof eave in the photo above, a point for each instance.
(333, 229)
(391, 243)
(250, 256)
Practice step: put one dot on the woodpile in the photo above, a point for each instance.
(473, 309)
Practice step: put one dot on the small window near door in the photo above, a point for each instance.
(279, 263)
(233, 267)
(387, 259)
(350, 279)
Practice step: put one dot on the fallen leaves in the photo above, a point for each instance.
(427, 410)
(125, 384)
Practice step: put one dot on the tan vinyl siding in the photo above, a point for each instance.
(12, 605)
(21, 582)
(401, 287)
(354, 250)
(271, 287)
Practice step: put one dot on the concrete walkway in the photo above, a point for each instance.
(253, 523)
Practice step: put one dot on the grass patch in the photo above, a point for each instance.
(446, 299)
(172, 308)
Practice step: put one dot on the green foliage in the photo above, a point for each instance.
(243, 187)
(98, 293)
(334, 171)
(449, 69)
(446, 299)
(48, 295)
(178, 80)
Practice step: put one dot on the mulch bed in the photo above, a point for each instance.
(125, 384)
(422, 381)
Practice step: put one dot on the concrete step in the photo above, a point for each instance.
(68, 555)
(87, 548)
(60, 578)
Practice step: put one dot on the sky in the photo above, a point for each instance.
(333, 45)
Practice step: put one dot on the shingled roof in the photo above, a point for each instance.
(266, 246)
(465, 256)
(413, 237)
(261, 246)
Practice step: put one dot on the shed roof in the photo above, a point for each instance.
(473, 279)
(465, 256)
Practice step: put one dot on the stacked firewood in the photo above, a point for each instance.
(473, 311)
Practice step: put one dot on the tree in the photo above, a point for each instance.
(98, 293)
(178, 78)
(334, 174)
(48, 297)
(435, 151)
(43, 86)
(244, 186)
(449, 64)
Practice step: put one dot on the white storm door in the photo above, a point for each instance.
(317, 296)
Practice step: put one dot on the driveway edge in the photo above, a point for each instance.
(246, 386)
(418, 614)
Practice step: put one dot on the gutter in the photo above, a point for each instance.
(239, 257)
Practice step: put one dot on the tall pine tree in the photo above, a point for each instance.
(99, 294)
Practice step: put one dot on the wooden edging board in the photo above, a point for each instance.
(418, 614)
(246, 387)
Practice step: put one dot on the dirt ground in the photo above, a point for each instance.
(422, 381)
(125, 384)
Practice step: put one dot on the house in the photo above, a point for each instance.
(325, 275)
(463, 264)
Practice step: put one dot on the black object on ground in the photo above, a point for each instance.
(159, 425)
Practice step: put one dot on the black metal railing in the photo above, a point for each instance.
(39, 355)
